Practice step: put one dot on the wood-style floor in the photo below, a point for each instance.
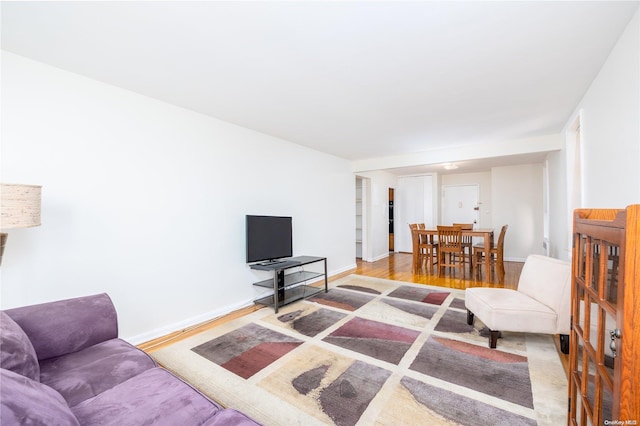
(398, 267)
(395, 267)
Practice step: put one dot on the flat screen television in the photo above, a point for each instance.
(269, 238)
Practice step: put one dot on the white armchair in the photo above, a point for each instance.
(541, 304)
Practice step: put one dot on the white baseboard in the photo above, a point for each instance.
(208, 316)
(382, 256)
(342, 270)
(190, 322)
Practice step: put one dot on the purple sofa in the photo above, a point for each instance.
(63, 364)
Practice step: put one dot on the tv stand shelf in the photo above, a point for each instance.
(288, 288)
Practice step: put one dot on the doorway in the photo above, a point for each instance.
(574, 175)
(391, 225)
(362, 218)
(359, 217)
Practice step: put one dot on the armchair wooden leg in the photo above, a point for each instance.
(470, 317)
(493, 339)
(564, 343)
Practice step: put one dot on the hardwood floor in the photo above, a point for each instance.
(398, 267)
(395, 267)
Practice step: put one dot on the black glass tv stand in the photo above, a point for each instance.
(289, 287)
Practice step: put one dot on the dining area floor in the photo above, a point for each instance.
(399, 266)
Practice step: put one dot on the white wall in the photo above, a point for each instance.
(509, 195)
(610, 143)
(558, 225)
(146, 201)
(517, 195)
(610, 123)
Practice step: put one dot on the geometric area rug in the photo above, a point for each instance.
(374, 352)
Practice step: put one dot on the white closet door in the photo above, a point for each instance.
(413, 200)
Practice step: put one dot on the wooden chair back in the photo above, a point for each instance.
(450, 246)
(467, 240)
(500, 245)
(449, 239)
(414, 236)
(423, 247)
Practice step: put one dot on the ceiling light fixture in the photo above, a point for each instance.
(450, 166)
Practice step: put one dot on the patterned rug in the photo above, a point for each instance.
(373, 351)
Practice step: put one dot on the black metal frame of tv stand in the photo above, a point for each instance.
(282, 284)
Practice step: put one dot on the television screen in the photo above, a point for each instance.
(269, 238)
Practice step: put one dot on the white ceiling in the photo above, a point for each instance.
(354, 79)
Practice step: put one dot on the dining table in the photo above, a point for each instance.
(485, 233)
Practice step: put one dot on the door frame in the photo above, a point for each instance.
(365, 197)
(392, 216)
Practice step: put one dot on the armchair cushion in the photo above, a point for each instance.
(497, 307)
(16, 351)
(27, 402)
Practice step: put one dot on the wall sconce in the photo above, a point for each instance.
(19, 208)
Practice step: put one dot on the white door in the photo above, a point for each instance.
(413, 201)
(459, 203)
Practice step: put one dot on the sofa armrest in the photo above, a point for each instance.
(66, 326)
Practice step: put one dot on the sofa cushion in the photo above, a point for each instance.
(153, 397)
(65, 326)
(16, 351)
(27, 402)
(228, 417)
(81, 375)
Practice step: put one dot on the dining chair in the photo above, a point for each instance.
(426, 248)
(496, 254)
(450, 246)
(429, 245)
(467, 242)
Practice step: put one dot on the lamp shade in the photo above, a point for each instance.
(19, 206)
